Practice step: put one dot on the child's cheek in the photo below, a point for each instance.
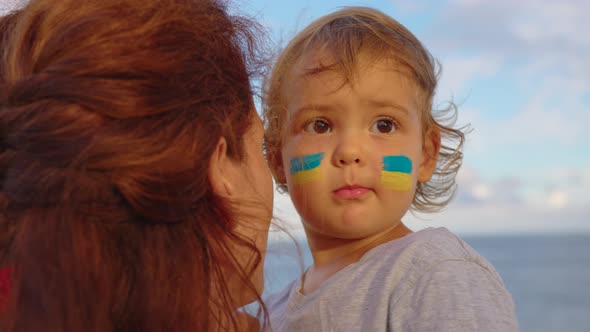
(397, 173)
(305, 169)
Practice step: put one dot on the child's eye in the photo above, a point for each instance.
(384, 126)
(317, 126)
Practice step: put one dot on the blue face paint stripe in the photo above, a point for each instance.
(306, 163)
(400, 164)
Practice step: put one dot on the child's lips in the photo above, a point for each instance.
(351, 192)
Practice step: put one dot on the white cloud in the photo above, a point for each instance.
(482, 192)
(558, 199)
(498, 219)
(539, 202)
(473, 190)
(561, 187)
(556, 189)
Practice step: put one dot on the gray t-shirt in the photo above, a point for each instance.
(429, 280)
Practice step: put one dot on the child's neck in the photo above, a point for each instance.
(330, 254)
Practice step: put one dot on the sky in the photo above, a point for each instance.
(520, 75)
(519, 72)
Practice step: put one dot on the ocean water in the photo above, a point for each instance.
(547, 275)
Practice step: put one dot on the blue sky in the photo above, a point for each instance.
(521, 76)
(519, 72)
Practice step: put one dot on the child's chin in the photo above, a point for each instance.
(349, 233)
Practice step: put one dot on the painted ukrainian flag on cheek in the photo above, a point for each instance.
(306, 169)
(397, 173)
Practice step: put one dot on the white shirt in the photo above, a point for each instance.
(429, 280)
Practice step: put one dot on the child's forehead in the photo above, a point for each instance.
(317, 84)
(316, 63)
(324, 67)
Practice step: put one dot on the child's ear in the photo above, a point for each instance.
(430, 150)
(222, 170)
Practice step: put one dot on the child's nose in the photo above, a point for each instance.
(344, 162)
(348, 153)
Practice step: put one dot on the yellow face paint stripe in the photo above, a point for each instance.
(396, 180)
(303, 177)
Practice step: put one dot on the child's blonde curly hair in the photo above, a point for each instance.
(345, 35)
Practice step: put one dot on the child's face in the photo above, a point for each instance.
(352, 154)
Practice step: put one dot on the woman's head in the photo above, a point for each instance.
(112, 114)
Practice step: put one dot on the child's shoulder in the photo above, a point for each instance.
(429, 243)
(439, 243)
(420, 251)
(440, 268)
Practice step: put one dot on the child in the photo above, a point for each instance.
(352, 137)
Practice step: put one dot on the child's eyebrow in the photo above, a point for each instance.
(311, 108)
(388, 104)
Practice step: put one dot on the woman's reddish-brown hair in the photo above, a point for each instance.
(109, 112)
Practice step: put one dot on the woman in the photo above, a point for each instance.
(134, 192)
